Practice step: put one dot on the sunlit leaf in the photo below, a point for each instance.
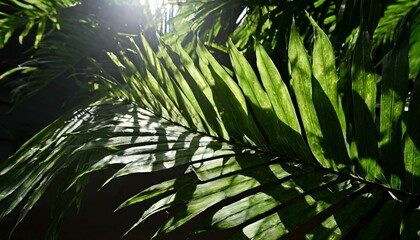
(302, 86)
(325, 98)
(282, 104)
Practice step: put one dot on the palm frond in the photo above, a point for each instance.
(59, 56)
(388, 32)
(252, 157)
(254, 22)
(28, 15)
(394, 13)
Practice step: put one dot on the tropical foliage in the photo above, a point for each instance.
(322, 142)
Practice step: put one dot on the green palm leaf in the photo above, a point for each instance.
(251, 158)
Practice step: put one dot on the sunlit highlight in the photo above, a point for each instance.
(154, 5)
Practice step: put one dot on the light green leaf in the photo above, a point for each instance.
(158, 189)
(235, 115)
(312, 208)
(282, 104)
(198, 90)
(323, 66)
(301, 82)
(325, 98)
(259, 101)
(252, 206)
(40, 31)
(28, 27)
(210, 193)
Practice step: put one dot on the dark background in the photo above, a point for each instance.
(19, 121)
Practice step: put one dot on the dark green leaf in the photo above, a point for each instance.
(412, 140)
(394, 86)
(364, 102)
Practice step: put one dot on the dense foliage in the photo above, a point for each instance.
(298, 120)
